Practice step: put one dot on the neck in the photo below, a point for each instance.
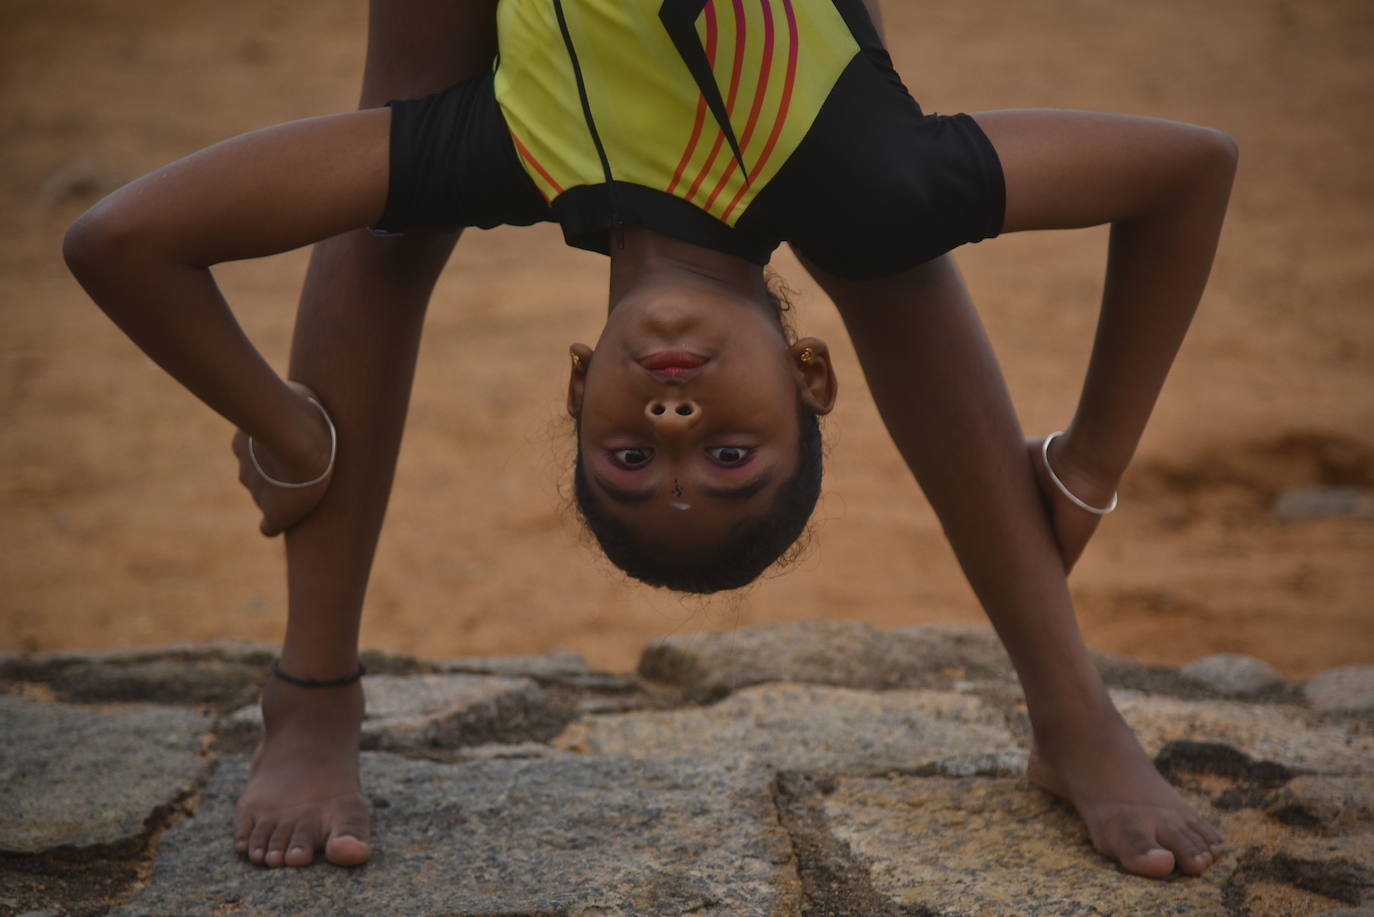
(650, 257)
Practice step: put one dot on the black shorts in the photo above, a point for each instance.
(877, 186)
(881, 186)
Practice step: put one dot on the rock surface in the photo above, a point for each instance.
(72, 777)
(845, 731)
(1303, 503)
(846, 653)
(442, 711)
(1233, 674)
(601, 835)
(1348, 688)
(811, 770)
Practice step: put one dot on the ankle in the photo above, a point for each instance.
(287, 705)
(1072, 721)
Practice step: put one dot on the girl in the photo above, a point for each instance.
(685, 140)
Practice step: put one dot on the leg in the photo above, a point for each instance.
(1164, 188)
(357, 335)
(918, 333)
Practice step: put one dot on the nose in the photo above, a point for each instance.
(672, 413)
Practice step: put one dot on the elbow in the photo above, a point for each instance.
(1216, 156)
(1226, 150)
(106, 238)
(90, 242)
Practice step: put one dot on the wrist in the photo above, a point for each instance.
(305, 449)
(1090, 469)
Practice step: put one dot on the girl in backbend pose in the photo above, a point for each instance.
(686, 140)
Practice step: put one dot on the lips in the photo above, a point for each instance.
(672, 359)
(673, 365)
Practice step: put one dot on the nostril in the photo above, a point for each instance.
(657, 409)
(684, 410)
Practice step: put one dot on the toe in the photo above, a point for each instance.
(1211, 836)
(300, 850)
(1138, 852)
(347, 850)
(257, 841)
(276, 846)
(1190, 853)
(350, 838)
(243, 829)
(1152, 863)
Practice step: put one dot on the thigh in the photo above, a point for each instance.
(416, 47)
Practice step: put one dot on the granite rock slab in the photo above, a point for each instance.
(987, 847)
(1233, 674)
(79, 777)
(1303, 503)
(843, 653)
(606, 836)
(566, 669)
(1348, 689)
(819, 728)
(1285, 735)
(1327, 804)
(444, 711)
(224, 674)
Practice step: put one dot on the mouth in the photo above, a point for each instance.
(673, 365)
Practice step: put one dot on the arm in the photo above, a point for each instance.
(1164, 188)
(875, 12)
(144, 255)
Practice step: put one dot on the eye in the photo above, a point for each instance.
(729, 455)
(632, 458)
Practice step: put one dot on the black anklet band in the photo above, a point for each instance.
(318, 682)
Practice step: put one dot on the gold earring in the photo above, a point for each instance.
(806, 356)
(576, 359)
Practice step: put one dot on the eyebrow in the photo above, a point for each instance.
(739, 492)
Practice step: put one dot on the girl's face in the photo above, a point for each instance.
(688, 410)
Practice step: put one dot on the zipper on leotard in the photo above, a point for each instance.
(617, 221)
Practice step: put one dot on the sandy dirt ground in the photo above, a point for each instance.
(121, 522)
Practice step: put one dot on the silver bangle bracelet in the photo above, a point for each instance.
(333, 450)
(1045, 454)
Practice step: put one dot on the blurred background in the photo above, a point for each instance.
(122, 524)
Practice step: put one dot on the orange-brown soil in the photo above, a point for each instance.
(121, 522)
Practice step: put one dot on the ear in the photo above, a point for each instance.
(816, 377)
(581, 359)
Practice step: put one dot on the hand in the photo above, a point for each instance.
(282, 507)
(1072, 525)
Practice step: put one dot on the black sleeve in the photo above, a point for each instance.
(453, 164)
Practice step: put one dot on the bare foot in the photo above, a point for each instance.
(1133, 815)
(303, 792)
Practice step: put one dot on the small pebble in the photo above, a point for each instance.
(1233, 674)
